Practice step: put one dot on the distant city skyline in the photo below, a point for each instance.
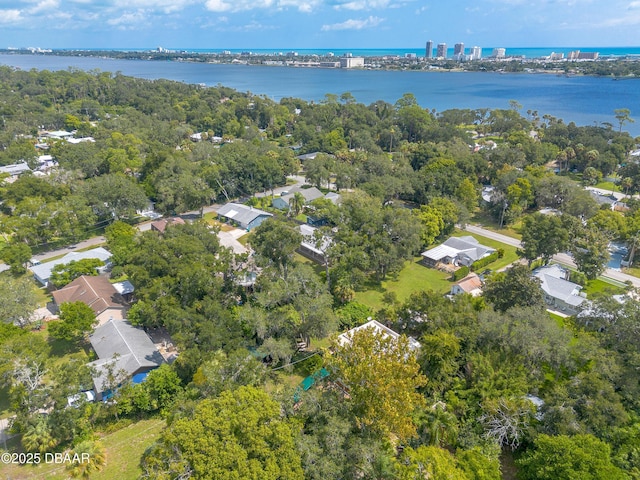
(290, 24)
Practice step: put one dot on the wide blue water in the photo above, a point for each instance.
(583, 100)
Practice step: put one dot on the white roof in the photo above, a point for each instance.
(43, 271)
(377, 328)
(440, 252)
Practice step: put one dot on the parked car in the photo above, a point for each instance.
(76, 400)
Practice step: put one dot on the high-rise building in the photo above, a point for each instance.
(458, 50)
(428, 52)
(476, 53)
(498, 53)
(442, 50)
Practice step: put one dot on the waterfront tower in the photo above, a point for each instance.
(458, 51)
(442, 50)
(428, 52)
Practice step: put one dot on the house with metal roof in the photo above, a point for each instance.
(124, 352)
(456, 251)
(559, 293)
(42, 271)
(244, 216)
(311, 246)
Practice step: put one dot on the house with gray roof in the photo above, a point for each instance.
(459, 251)
(42, 271)
(244, 216)
(559, 293)
(309, 195)
(312, 246)
(124, 352)
(15, 170)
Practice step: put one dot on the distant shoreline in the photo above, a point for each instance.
(617, 68)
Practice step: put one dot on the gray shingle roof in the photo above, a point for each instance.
(241, 213)
(131, 347)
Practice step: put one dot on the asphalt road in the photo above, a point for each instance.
(95, 241)
(562, 258)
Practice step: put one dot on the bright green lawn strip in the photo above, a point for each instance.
(414, 277)
(599, 285)
(510, 254)
(485, 220)
(124, 449)
(608, 186)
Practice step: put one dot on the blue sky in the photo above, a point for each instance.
(288, 24)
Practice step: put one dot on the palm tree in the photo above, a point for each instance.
(93, 457)
(38, 437)
(296, 203)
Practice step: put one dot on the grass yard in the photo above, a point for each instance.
(414, 277)
(244, 239)
(123, 447)
(485, 220)
(510, 254)
(211, 217)
(599, 285)
(608, 186)
(635, 271)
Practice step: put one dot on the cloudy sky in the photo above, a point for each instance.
(287, 24)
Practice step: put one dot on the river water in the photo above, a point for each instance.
(583, 100)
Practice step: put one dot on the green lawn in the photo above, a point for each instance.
(635, 271)
(485, 220)
(123, 447)
(211, 219)
(244, 239)
(510, 254)
(599, 285)
(414, 277)
(608, 186)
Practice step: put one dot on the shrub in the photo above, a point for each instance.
(460, 273)
(483, 262)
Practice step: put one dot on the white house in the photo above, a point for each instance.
(559, 293)
(456, 251)
(378, 329)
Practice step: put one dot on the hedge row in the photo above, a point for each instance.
(483, 262)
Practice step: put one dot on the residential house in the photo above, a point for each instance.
(601, 199)
(98, 293)
(284, 202)
(124, 352)
(244, 216)
(161, 225)
(14, 171)
(471, 284)
(459, 251)
(378, 329)
(559, 293)
(42, 271)
(312, 247)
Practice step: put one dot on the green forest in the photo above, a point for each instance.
(499, 386)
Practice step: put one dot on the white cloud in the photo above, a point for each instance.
(634, 5)
(128, 20)
(167, 6)
(44, 6)
(362, 5)
(10, 16)
(237, 5)
(353, 24)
